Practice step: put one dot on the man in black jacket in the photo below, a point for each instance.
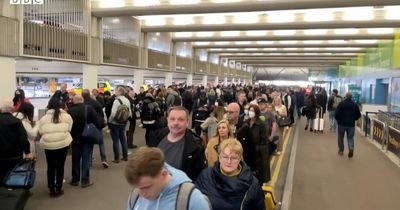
(242, 133)
(13, 140)
(88, 100)
(181, 147)
(346, 114)
(81, 150)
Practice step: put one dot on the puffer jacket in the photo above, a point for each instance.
(31, 131)
(55, 135)
(231, 193)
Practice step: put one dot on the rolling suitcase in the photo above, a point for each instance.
(13, 199)
(318, 126)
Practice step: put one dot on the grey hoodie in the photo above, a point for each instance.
(167, 198)
(171, 98)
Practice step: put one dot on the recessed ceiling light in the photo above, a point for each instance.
(318, 15)
(358, 13)
(315, 32)
(284, 32)
(204, 34)
(346, 31)
(265, 42)
(380, 30)
(256, 33)
(288, 42)
(312, 41)
(180, 2)
(280, 17)
(242, 42)
(183, 34)
(229, 33)
(143, 3)
(366, 41)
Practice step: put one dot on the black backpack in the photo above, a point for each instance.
(149, 111)
(177, 100)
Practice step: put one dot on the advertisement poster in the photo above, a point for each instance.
(355, 92)
(395, 97)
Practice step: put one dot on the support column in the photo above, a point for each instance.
(8, 78)
(204, 82)
(239, 81)
(168, 79)
(216, 81)
(189, 80)
(233, 80)
(226, 81)
(138, 78)
(89, 76)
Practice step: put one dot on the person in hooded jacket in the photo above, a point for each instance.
(230, 184)
(156, 183)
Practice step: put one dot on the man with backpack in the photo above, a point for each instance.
(120, 114)
(201, 111)
(173, 98)
(158, 185)
(151, 116)
(333, 103)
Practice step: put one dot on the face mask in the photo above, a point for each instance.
(246, 112)
(225, 116)
(252, 114)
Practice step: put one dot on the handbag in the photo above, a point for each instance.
(22, 176)
(283, 121)
(90, 133)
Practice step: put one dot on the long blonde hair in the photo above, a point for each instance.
(230, 134)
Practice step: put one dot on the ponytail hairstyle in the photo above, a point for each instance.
(55, 104)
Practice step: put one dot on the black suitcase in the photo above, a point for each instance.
(13, 199)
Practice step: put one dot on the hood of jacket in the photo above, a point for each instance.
(167, 197)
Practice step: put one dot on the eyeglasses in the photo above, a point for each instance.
(227, 158)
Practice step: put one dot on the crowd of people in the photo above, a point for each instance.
(220, 138)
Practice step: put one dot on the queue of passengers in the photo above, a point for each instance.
(235, 131)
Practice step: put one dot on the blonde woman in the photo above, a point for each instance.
(223, 133)
(55, 128)
(281, 112)
(209, 126)
(230, 184)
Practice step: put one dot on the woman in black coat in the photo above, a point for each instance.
(230, 184)
(259, 140)
(311, 106)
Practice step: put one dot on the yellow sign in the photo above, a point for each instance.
(396, 50)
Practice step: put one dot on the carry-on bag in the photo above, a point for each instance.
(13, 199)
(21, 176)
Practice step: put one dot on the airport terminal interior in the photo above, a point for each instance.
(283, 53)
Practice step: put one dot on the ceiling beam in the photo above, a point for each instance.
(293, 61)
(284, 57)
(293, 65)
(282, 45)
(274, 26)
(240, 59)
(130, 10)
(242, 55)
(285, 51)
(279, 38)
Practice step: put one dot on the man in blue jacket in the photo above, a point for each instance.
(346, 114)
(159, 186)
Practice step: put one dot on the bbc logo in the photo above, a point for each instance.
(26, 1)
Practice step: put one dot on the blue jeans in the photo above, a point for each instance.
(118, 136)
(81, 162)
(102, 149)
(350, 137)
(332, 120)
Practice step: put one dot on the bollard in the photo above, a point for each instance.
(270, 202)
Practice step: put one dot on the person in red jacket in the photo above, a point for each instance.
(19, 98)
